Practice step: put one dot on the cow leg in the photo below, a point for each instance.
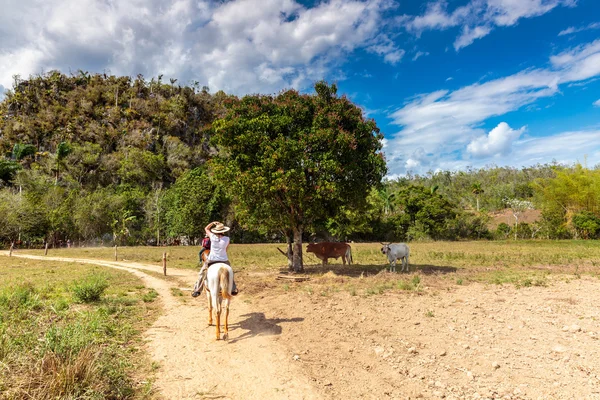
(344, 261)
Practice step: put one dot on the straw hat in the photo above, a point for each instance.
(219, 228)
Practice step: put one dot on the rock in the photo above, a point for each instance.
(296, 357)
(495, 365)
(565, 328)
(442, 353)
(412, 350)
(470, 375)
(379, 350)
(559, 349)
(575, 328)
(439, 394)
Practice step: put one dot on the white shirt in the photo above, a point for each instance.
(218, 248)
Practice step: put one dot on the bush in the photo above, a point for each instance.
(90, 289)
(586, 224)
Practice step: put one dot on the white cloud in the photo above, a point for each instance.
(469, 35)
(478, 17)
(498, 142)
(420, 54)
(596, 103)
(570, 30)
(241, 46)
(447, 124)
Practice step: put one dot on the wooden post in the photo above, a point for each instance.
(46, 249)
(12, 246)
(165, 263)
(116, 252)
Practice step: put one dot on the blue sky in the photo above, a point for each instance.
(452, 84)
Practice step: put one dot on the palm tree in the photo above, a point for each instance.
(477, 190)
(62, 151)
(388, 199)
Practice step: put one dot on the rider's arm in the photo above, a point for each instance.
(207, 228)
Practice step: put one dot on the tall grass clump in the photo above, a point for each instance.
(90, 289)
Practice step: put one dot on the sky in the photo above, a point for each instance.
(452, 84)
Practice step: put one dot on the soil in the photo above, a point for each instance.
(506, 216)
(462, 342)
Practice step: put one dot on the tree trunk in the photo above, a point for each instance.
(290, 252)
(297, 250)
(477, 203)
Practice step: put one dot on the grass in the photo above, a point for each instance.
(55, 344)
(522, 263)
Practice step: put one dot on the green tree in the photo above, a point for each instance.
(62, 151)
(476, 189)
(293, 161)
(191, 203)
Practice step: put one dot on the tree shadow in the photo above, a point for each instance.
(356, 270)
(257, 324)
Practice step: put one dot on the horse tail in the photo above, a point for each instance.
(224, 283)
(349, 255)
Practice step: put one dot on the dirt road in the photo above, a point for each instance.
(193, 365)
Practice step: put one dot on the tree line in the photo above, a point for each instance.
(105, 159)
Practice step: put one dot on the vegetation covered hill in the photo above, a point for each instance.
(100, 158)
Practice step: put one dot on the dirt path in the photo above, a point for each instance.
(250, 365)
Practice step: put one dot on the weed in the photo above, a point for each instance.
(150, 296)
(286, 287)
(90, 289)
(429, 314)
(176, 292)
(459, 281)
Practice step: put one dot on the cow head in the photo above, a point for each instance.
(385, 248)
(311, 248)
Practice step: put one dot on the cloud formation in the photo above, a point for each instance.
(447, 124)
(241, 46)
(478, 18)
(571, 30)
(498, 142)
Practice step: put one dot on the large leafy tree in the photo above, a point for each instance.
(293, 161)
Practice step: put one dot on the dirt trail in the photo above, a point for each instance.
(250, 365)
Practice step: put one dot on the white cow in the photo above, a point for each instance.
(395, 252)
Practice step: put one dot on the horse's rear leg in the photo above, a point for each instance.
(209, 308)
(226, 334)
(218, 323)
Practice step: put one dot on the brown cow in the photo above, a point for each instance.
(326, 250)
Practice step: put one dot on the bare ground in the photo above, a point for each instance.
(466, 342)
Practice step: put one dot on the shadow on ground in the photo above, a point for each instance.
(257, 324)
(357, 270)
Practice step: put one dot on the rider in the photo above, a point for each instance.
(218, 253)
(205, 246)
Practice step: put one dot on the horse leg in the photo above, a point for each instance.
(218, 321)
(226, 334)
(209, 308)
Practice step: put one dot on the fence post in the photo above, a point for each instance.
(12, 246)
(165, 263)
(46, 249)
(115, 252)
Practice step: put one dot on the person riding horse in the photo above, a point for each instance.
(218, 254)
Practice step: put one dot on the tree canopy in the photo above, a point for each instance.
(293, 161)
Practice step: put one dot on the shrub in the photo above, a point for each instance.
(90, 289)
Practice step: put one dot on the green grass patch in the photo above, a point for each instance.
(62, 337)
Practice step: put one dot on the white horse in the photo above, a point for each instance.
(219, 284)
